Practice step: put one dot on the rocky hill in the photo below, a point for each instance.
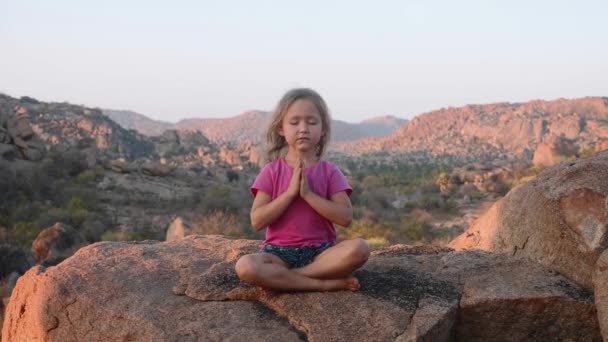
(382, 125)
(61, 126)
(135, 182)
(494, 131)
(247, 127)
(374, 127)
(534, 268)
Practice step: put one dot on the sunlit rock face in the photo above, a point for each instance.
(558, 219)
(188, 290)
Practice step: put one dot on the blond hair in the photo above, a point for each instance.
(276, 142)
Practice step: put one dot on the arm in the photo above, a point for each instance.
(337, 209)
(265, 211)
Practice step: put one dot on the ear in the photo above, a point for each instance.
(281, 132)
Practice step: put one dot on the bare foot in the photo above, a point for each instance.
(350, 283)
(353, 284)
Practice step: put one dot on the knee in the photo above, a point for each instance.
(360, 250)
(246, 269)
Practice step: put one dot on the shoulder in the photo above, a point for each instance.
(271, 167)
(328, 167)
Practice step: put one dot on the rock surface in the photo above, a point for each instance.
(188, 290)
(558, 219)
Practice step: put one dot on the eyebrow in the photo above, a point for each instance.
(305, 116)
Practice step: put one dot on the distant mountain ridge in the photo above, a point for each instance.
(249, 126)
(139, 122)
(472, 133)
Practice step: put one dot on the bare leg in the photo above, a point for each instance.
(270, 271)
(338, 261)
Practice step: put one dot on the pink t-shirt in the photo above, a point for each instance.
(300, 225)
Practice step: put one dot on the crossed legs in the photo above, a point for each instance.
(330, 271)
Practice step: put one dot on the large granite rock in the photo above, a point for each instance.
(558, 219)
(553, 151)
(188, 290)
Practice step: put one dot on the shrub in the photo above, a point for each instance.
(376, 242)
(86, 176)
(125, 236)
(92, 230)
(24, 233)
(429, 202)
(224, 223)
(587, 152)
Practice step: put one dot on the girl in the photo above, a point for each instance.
(298, 197)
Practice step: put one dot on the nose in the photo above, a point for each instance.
(303, 127)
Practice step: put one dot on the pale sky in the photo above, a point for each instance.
(177, 59)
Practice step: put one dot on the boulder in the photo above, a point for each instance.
(56, 243)
(120, 166)
(601, 145)
(20, 126)
(34, 151)
(553, 151)
(156, 169)
(229, 156)
(188, 290)
(600, 279)
(558, 219)
(14, 261)
(178, 230)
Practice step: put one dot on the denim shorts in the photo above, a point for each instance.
(296, 257)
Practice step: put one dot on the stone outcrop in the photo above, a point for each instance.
(188, 290)
(36, 126)
(558, 219)
(554, 151)
(155, 169)
(56, 243)
(178, 230)
(600, 279)
(17, 137)
(14, 261)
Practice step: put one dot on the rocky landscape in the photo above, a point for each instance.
(532, 268)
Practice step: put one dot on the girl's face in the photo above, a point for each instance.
(302, 126)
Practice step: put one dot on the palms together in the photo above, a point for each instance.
(299, 182)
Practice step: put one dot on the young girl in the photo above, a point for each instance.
(298, 197)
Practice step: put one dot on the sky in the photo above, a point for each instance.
(171, 60)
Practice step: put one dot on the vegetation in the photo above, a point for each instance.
(58, 189)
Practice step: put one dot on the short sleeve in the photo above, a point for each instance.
(263, 181)
(338, 182)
